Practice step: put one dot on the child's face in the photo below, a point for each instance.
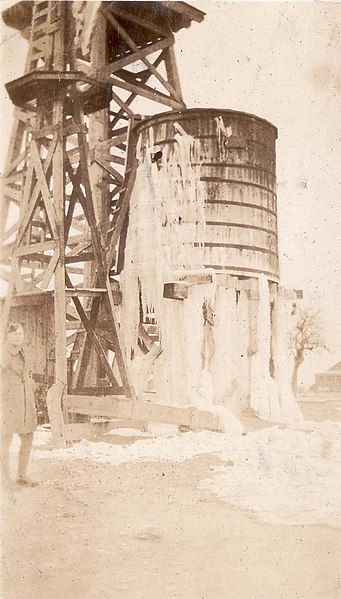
(16, 337)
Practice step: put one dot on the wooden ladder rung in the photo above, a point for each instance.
(44, 30)
(40, 13)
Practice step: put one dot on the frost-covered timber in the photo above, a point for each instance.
(203, 218)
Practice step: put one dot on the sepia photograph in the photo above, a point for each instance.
(170, 299)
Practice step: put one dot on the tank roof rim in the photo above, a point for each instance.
(172, 115)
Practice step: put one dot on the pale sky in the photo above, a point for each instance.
(280, 61)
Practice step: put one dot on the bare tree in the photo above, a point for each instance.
(306, 336)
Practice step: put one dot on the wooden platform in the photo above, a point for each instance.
(46, 84)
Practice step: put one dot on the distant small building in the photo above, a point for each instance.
(329, 381)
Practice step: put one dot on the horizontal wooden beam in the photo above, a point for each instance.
(81, 292)
(147, 92)
(177, 290)
(105, 146)
(120, 407)
(134, 56)
(81, 258)
(26, 250)
(195, 277)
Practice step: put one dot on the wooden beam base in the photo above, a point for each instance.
(143, 411)
(177, 290)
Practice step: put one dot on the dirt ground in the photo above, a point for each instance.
(145, 531)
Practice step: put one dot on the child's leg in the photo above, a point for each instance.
(24, 453)
(5, 468)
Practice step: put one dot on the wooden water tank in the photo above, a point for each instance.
(236, 157)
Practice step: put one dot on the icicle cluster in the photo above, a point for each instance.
(218, 343)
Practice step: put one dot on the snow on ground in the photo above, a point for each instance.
(284, 476)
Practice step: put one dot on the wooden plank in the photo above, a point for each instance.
(153, 71)
(195, 278)
(120, 221)
(109, 143)
(50, 209)
(70, 339)
(16, 177)
(75, 179)
(171, 69)
(88, 206)
(69, 214)
(98, 130)
(84, 257)
(14, 154)
(78, 249)
(122, 104)
(49, 271)
(25, 250)
(144, 336)
(118, 343)
(58, 174)
(177, 290)
(38, 278)
(24, 115)
(73, 155)
(14, 158)
(82, 348)
(116, 159)
(123, 206)
(93, 336)
(46, 30)
(75, 240)
(54, 400)
(81, 292)
(21, 158)
(84, 66)
(110, 170)
(104, 334)
(7, 303)
(147, 92)
(31, 205)
(114, 407)
(14, 194)
(150, 49)
(59, 38)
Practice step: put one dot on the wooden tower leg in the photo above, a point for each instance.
(59, 275)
